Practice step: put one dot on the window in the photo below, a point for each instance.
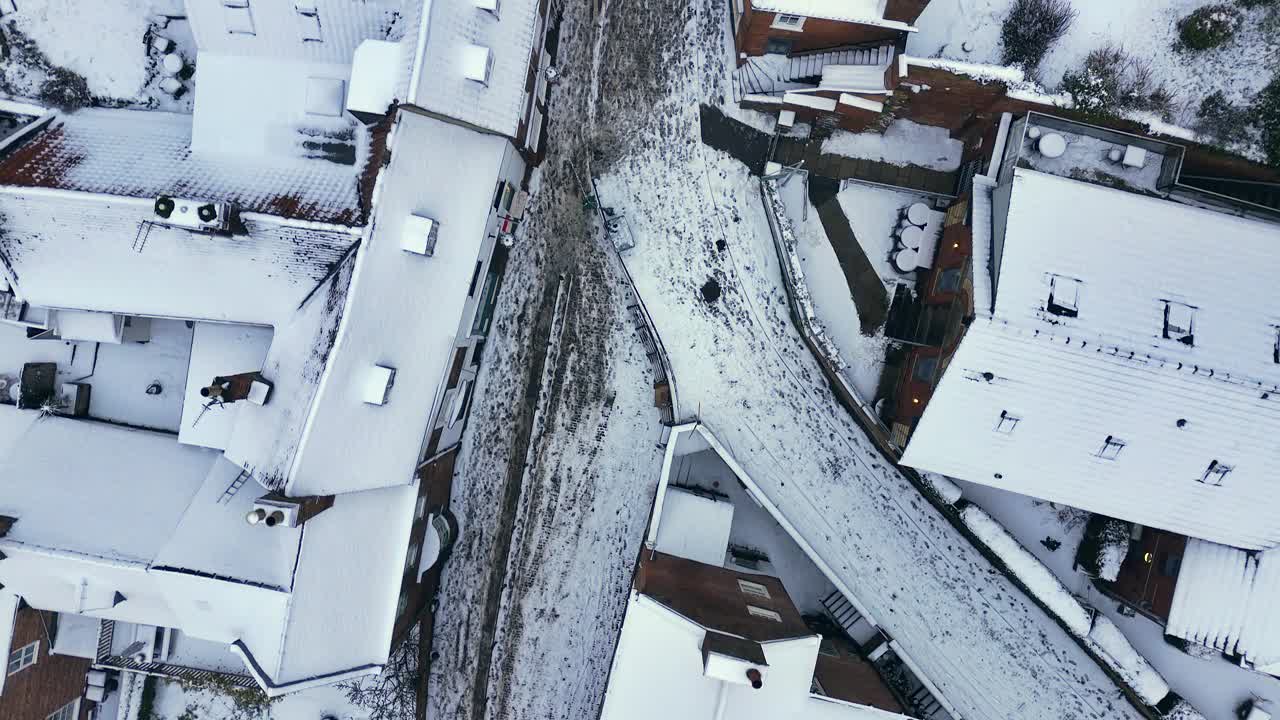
(411, 557)
(763, 613)
(788, 22)
(238, 16)
(949, 280)
(926, 367)
(1007, 422)
(1064, 296)
(754, 589)
(24, 657)
(1111, 448)
(1215, 474)
(308, 20)
(421, 511)
(1179, 322)
(1169, 564)
(66, 712)
(402, 604)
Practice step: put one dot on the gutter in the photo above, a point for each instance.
(274, 689)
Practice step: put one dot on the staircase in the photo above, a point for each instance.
(925, 704)
(841, 611)
(808, 65)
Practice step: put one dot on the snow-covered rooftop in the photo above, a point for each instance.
(855, 11)
(450, 28)
(403, 310)
(142, 154)
(1100, 409)
(90, 252)
(1226, 599)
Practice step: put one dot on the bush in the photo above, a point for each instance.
(1266, 108)
(1112, 82)
(1250, 4)
(1208, 27)
(65, 90)
(1222, 121)
(1031, 28)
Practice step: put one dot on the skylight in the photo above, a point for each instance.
(1179, 322)
(1215, 473)
(1007, 422)
(1064, 296)
(1111, 448)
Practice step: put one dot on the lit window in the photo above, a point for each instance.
(308, 20)
(24, 657)
(1007, 422)
(1179, 322)
(763, 613)
(238, 16)
(788, 22)
(1111, 448)
(1064, 296)
(411, 557)
(66, 712)
(755, 589)
(1215, 474)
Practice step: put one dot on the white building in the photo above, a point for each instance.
(345, 273)
(1122, 357)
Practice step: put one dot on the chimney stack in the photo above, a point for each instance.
(757, 681)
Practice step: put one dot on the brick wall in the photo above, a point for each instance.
(55, 680)
(755, 29)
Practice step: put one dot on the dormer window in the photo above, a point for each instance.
(1179, 323)
(1215, 474)
(1064, 296)
(788, 22)
(1007, 422)
(490, 6)
(1111, 448)
(477, 63)
(308, 17)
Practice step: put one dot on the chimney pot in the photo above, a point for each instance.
(275, 518)
(255, 516)
(757, 681)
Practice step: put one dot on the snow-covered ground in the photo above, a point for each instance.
(902, 143)
(114, 58)
(832, 299)
(873, 214)
(173, 701)
(1213, 685)
(1144, 28)
(743, 369)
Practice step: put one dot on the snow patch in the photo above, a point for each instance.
(903, 143)
(1106, 638)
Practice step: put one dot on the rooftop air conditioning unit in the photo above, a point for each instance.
(419, 235)
(273, 513)
(193, 214)
(377, 385)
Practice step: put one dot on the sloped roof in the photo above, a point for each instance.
(438, 83)
(1226, 599)
(1072, 382)
(145, 154)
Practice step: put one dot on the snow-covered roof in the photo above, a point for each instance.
(658, 671)
(454, 185)
(854, 11)
(439, 82)
(1100, 411)
(694, 526)
(77, 636)
(92, 252)
(285, 29)
(1226, 599)
(143, 154)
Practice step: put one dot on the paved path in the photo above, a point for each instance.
(793, 150)
(869, 294)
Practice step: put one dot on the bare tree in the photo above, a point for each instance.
(393, 693)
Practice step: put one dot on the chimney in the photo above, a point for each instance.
(757, 681)
(275, 509)
(6, 523)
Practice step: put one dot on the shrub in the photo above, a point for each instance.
(1031, 28)
(1223, 121)
(1250, 4)
(1112, 82)
(1208, 27)
(65, 90)
(1266, 108)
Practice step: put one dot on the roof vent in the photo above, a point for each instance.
(193, 214)
(273, 511)
(489, 5)
(377, 384)
(419, 235)
(477, 63)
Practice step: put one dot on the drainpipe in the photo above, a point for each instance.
(722, 699)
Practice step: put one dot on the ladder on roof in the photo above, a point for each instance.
(235, 486)
(144, 232)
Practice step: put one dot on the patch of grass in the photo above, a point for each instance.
(1031, 28)
(1208, 27)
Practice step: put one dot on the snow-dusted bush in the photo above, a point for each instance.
(948, 491)
(1223, 121)
(1111, 644)
(1113, 547)
(65, 90)
(1182, 710)
(1266, 107)
(1112, 82)
(1208, 27)
(1031, 28)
